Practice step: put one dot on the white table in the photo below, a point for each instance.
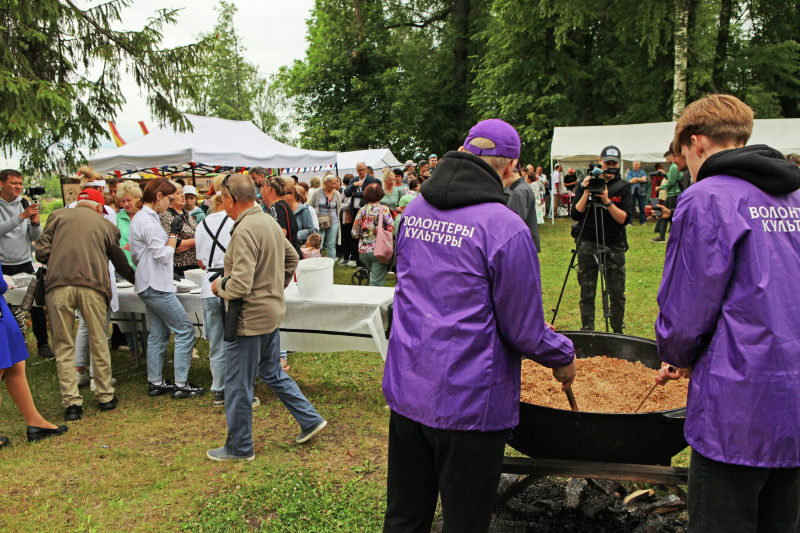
(348, 317)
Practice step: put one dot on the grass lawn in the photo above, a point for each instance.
(143, 466)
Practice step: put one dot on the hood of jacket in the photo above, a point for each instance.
(764, 167)
(462, 179)
(300, 208)
(15, 202)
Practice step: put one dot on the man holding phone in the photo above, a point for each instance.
(19, 227)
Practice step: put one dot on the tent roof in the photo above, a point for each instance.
(213, 142)
(648, 142)
(376, 158)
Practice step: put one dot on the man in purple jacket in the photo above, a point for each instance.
(468, 306)
(730, 319)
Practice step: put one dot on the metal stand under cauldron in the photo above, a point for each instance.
(612, 446)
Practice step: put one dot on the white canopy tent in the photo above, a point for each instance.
(578, 146)
(213, 142)
(648, 142)
(377, 158)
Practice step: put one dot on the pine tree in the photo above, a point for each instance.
(60, 70)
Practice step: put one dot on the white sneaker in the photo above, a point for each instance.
(83, 378)
(339, 261)
(92, 386)
(351, 264)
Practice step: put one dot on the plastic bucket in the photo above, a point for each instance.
(314, 277)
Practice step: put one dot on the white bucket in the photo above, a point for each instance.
(314, 277)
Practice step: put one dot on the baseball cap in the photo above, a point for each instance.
(502, 134)
(405, 200)
(610, 153)
(92, 194)
(189, 189)
(410, 163)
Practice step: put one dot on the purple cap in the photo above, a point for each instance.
(502, 134)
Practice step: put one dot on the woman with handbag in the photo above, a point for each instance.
(372, 220)
(13, 353)
(327, 202)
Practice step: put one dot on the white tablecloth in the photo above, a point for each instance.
(349, 317)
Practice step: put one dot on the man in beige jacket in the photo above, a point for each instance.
(259, 264)
(76, 246)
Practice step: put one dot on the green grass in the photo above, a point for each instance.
(143, 466)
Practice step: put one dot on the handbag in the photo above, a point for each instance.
(35, 293)
(384, 244)
(325, 221)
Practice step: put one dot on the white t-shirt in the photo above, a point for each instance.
(204, 242)
(556, 179)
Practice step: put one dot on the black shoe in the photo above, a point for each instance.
(618, 331)
(658, 239)
(157, 390)
(189, 391)
(219, 398)
(35, 433)
(46, 352)
(72, 413)
(110, 405)
(4, 442)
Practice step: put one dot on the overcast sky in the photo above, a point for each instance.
(273, 31)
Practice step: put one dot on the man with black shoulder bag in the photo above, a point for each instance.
(259, 264)
(603, 205)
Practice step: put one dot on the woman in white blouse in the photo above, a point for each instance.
(152, 251)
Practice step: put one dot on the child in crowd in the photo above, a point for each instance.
(312, 246)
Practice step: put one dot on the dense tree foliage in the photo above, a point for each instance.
(413, 75)
(60, 69)
(230, 87)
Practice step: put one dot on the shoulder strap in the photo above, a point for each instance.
(215, 240)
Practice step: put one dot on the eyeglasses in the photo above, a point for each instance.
(170, 198)
(225, 183)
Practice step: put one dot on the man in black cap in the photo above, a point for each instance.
(614, 209)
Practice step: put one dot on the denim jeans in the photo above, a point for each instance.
(165, 313)
(329, 239)
(82, 342)
(377, 270)
(215, 331)
(745, 499)
(246, 357)
(642, 201)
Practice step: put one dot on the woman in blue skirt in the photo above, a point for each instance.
(13, 352)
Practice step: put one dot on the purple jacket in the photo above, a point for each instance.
(730, 306)
(468, 304)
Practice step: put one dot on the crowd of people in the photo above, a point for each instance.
(465, 249)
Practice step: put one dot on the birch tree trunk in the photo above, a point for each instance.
(681, 58)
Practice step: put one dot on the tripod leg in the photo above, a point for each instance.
(601, 260)
(569, 268)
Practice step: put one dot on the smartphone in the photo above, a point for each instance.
(657, 213)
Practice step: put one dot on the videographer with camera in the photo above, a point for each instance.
(603, 238)
(19, 227)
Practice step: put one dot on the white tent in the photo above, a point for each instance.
(376, 158)
(212, 142)
(648, 142)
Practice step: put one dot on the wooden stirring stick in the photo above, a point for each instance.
(653, 388)
(571, 399)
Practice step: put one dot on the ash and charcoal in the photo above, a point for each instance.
(577, 506)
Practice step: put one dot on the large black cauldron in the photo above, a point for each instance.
(641, 438)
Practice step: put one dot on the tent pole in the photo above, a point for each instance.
(193, 184)
(336, 168)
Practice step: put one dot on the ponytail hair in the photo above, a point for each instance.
(156, 185)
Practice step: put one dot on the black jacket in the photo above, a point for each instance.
(619, 192)
(522, 200)
(462, 179)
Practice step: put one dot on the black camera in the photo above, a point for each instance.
(596, 185)
(35, 191)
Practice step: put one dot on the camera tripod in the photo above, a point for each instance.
(599, 255)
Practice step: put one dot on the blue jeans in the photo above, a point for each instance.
(642, 201)
(329, 239)
(215, 331)
(165, 313)
(377, 270)
(248, 356)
